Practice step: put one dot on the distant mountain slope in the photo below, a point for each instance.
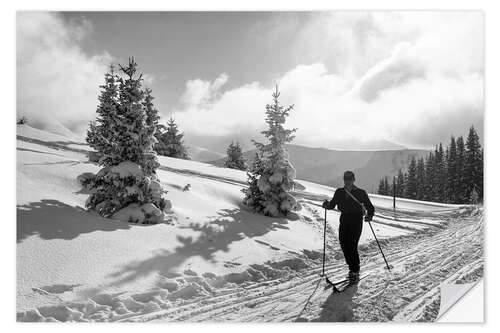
(326, 166)
(54, 127)
(203, 155)
(381, 163)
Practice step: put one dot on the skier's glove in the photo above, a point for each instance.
(325, 204)
(368, 218)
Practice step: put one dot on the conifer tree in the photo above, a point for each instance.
(152, 116)
(434, 175)
(253, 194)
(429, 176)
(420, 179)
(99, 135)
(381, 187)
(474, 197)
(446, 194)
(384, 188)
(393, 187)
(473, 168)
(461, 188)
(134, 137)
(272, 179)
(452, 174)
(235, 159)
(127, 187)
(411, 181)
(400, 184)
(387, 189)
(439, 174)
(171, 141)
(442, 174)
(480, 175)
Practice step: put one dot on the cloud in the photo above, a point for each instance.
(412, 78)
(200, 93)
(148, 79)
(208, 111)
(57, 83)
(390, 73)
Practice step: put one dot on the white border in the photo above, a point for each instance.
(8, 168)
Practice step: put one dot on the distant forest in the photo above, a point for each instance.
(451, 175)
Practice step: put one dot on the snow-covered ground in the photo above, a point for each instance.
(214, 260)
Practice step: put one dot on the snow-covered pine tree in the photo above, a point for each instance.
(99, 133)
(411, 181)
(446, 194)
(435, 179)
(127, 187)
(452, 172)
(171, 141)
(429, 176)
(441, 175)
(235, 159)
(473, 168)
(253, 193)
(420, 179)
(461, 186)
(271, 179)
(152, 116)
(448, 174)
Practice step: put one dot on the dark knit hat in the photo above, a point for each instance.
(349, 175)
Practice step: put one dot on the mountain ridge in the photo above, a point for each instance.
(326, 166)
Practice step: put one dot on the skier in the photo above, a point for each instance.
(353, 204)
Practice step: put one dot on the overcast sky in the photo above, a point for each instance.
(357, 79)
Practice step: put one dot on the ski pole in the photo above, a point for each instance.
(380, 248)
(324, 246)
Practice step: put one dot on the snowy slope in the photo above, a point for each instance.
(74, 265)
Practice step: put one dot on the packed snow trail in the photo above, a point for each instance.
(409, 293)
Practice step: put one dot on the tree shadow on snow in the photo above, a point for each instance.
(339, 307)
(52, 219)
(229, 226)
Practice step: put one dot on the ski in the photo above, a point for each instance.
(344, 286)
(341, 285)
(332, 284)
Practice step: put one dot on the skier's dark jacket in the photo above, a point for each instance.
(347, 205)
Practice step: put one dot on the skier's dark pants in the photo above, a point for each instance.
(350, 229)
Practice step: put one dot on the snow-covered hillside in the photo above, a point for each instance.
(212, 259)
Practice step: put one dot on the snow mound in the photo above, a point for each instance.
(147, 213)
(167, 293)
(127, 169)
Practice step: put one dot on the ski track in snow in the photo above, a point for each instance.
(409, 293)
(426, 247)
